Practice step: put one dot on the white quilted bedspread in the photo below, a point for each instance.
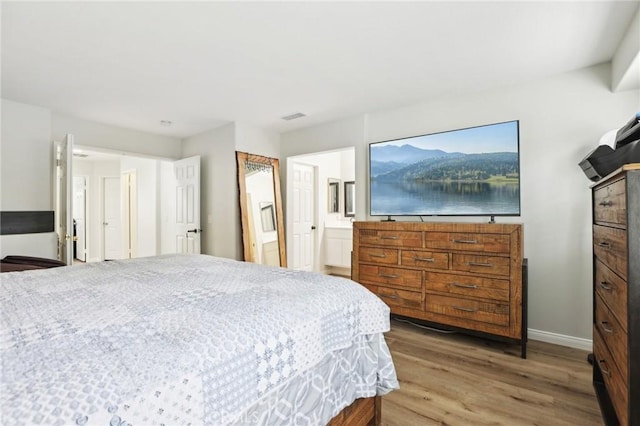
(181, 339)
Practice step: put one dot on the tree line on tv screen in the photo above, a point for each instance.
(486, 167)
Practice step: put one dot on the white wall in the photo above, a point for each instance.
(625, 65)
(561, 120)
(98, 135)
(167, 208)
(26, 157)
(258, 141)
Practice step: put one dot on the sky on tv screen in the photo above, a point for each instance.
(501, 137)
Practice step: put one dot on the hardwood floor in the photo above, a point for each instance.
(453, 379)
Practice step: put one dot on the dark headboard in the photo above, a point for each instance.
(27, 222)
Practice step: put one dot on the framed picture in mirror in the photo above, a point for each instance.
(268, 217)
(334, 195)
(350, 199)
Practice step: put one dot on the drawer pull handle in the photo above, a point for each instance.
(424, 259)
(606, 203)
(388, 276)
(604, 244)
(393, 237)
(605, 285)
(465, 241)
(605, 328)
(389, 296)
(378, 255)
(464, 285)
(461, 308)
(602, 363)
(488, 265)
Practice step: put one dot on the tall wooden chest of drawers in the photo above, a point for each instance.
(616, 295)
(463, 275)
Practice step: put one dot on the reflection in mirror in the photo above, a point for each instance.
(261, 209)
(349, 199)
(334, 195)
(268, 216)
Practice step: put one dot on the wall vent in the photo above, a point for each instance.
(293, 116)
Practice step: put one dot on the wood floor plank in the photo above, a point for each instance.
(454, 379)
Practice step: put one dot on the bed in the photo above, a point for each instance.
(190, 340)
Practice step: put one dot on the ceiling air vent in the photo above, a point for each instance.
(293, 116)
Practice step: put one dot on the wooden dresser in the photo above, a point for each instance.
(466, 276)
(616, 295)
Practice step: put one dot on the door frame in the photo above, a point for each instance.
(63, 197)
(129, 214)
(87, 203)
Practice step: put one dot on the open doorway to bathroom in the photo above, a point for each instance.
(318, 219)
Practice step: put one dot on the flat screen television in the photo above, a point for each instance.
(473, 171)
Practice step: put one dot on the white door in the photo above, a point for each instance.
(64, 204)
(187, 190)
(303, 217)
(79, 217)
(111, 220)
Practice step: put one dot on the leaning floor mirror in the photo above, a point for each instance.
(261, 209)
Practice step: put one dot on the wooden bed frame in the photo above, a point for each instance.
(363, 412)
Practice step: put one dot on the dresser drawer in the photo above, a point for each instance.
(391, 238)
(492, 313)
(488, 243)
(614, 336)
(486, 288)
(610, 203)
(400, 298)
(425, 259)
(392, 276)
(490, 265)
(613, 291)
(378, 255)
(618, 391)
(610, 246)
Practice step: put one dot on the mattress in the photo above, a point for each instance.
(187, 339)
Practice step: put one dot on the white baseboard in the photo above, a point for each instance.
(93, 259)
(561, 339)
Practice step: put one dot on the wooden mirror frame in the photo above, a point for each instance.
(242, 159)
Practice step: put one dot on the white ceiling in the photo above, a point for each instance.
(204, 64)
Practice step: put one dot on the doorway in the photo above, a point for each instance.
(138, 195)
(307, 218)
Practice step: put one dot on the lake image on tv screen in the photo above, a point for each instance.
(471, 171)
